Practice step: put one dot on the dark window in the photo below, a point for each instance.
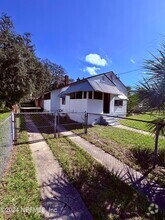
(98, 95)
(85, 95)
(90, 95)
(47, 96)
(79, 95)
(72, 95)
(118, 102)
(63, 101)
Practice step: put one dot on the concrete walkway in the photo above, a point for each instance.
(154, 192)
(136, 130)
(59, 199)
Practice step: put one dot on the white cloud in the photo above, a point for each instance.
(132, 61)
(91, 70)
(95, 59)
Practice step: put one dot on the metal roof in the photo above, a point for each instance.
(92, 85)
(107, 87)
(82, 86)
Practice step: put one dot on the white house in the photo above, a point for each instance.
(100, 94)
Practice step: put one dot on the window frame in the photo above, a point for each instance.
(118, 103)
(79, 95)
(90, 97)
(97, 94)
(63, 100)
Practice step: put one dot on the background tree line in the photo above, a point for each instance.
(22, 73)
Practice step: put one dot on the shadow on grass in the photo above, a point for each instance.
(31, 142)
(101, 193)
(144, 157)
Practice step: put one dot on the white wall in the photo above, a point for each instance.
(47, 104)
(95, 106)
(78, 105)
(121, 110)
(111, 104)
(55, 99)
(76, 109)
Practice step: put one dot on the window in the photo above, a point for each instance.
(72, 95)
(63, 101)
(118, 102)
(85, 95)
(98, 95)
(90, 95)
(47, 96)
(78, 95)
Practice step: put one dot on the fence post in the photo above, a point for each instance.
(58, 124)
(156, 145)
(14, 126)
(55, 125)
(86, 123)
(11, 129)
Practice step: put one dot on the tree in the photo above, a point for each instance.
(133, 100)
(22, 74)
(57, 73)
(152, 92)
(17, 61)
(152, 89)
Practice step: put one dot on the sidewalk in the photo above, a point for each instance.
(152, 191)
(136, 130)
(59, 199)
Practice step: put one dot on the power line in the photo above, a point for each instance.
(130, 71)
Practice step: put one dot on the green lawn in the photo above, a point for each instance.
(140, 125)
(4, 115)
(104, 194)
(19, 188)
(99, 189)
(4, 137)
(130, 147)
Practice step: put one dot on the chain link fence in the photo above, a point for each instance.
(25, 121)
(6, 141)
(129, 140)
(132, 141)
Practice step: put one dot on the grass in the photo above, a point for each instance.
(3, 116)
(130, 147)
(19, 188)
(140, 125)
(5, 138)
(104, 194)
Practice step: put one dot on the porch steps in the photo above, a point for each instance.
(106, 120)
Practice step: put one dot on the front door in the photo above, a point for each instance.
(106, 103)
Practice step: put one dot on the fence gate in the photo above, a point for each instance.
(33, 123)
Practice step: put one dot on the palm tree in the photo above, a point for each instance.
(152, 93)
(152, 89)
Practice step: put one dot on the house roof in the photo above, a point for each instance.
(83, 86)
(90, 84)
(108, 87)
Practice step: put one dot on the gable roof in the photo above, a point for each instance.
(107, 87)
(94, 83)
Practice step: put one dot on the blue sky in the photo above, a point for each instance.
(92, 36)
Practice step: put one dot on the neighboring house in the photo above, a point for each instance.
(100, 94)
